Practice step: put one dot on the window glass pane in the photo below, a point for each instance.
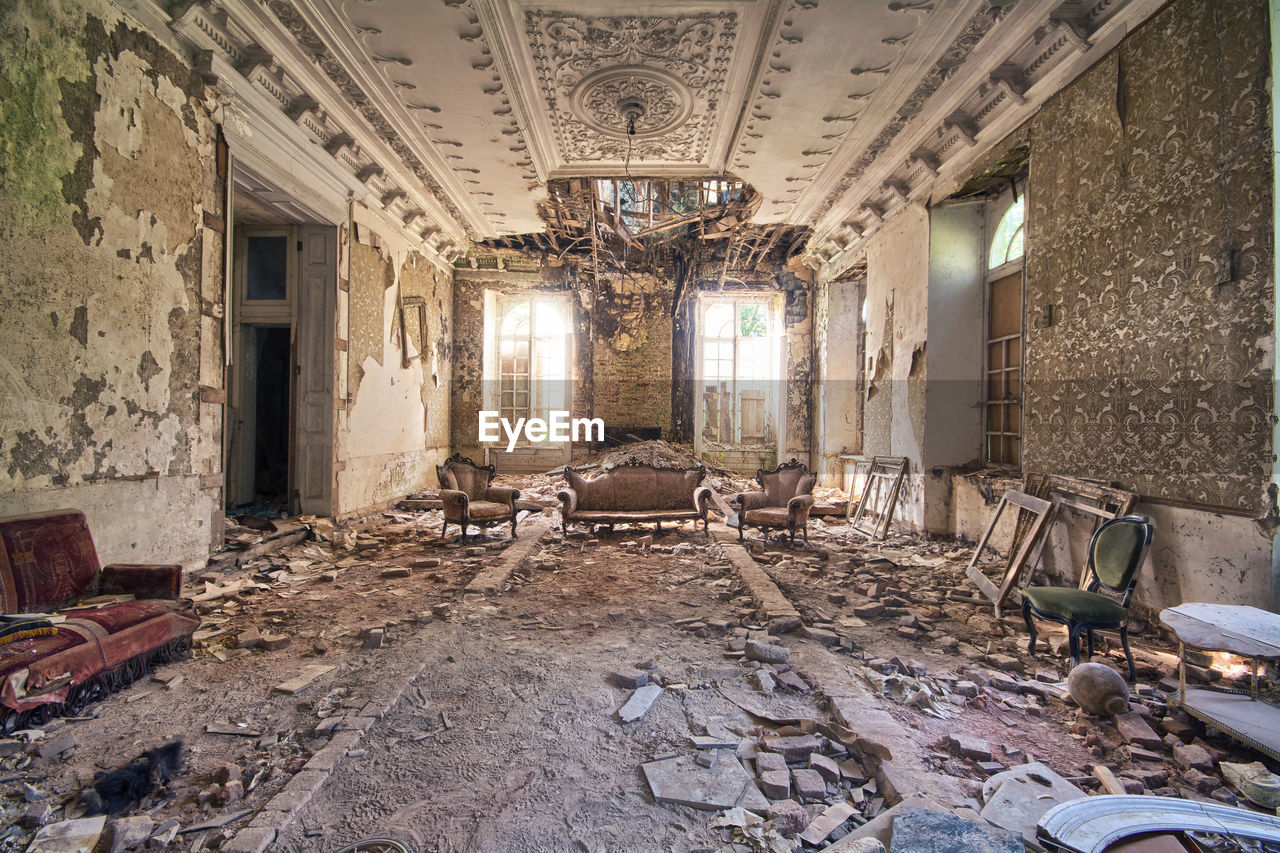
(517, 320)
(719, 320)
(754, 324)
(1015, 245)
(1010, 227)
(266, 263)
(995, 386)
(549, 320)
(1014, 383)
(995, 418)
(995, 356)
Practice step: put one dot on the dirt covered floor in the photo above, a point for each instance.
(457, 721)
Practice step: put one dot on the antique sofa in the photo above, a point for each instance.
(57, 658)
(784, 502)
(635, 493)
(469, 499)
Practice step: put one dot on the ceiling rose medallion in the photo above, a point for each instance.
(609, 100)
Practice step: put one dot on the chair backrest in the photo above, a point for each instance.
(462, 475)
(785, 482)
(1116, 552)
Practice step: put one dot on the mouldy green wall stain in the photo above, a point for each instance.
(43, 70)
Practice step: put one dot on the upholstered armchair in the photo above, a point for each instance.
(469, 498)
(784, 501)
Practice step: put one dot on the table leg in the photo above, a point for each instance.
(1182, 673)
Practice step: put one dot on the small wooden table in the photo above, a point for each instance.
(1237, 630)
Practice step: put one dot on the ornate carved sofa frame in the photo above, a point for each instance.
(48, 563)
(635, 493)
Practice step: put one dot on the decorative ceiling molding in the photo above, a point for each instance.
(675, 66)
(1026, 57)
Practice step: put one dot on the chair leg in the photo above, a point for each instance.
(444, 527)
(791, 533)
(1031, 626)
(1128, 655)
(513, 527)
(1088, 637)
(740, 539)
(1073, 640)
(806, 534)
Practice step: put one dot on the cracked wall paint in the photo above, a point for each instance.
(395, 427)
(102, 137)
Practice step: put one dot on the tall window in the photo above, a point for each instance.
(738, 370)
(533, 357)
(1004, 339)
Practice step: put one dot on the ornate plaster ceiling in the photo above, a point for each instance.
(456, 113)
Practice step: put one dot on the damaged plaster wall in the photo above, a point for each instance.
(1150, 327)
(1150, 341)
(836, 381)
(395, 373)
(110, 293)
(631, 338)
(897, 331)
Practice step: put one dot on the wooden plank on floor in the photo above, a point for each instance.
(493, 577)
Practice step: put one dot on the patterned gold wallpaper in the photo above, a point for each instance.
(1150, 240)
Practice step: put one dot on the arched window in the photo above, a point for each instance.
(1007, 244)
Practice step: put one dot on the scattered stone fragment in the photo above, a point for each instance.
(762, 681)
(809, 784)
(632, 679)
(56, 747)
(126, 833)
(925, 831)
(224, 773)
(827, 767)
(821, 635)
(970, 747)
(825, 823)
(69, 836)
(394, 572)
(639, 703)
(35, 815)
(1134, 729)
(783, 625)
(1188, 756)
(426, 563)
(164, 834)
(792, 747)
(790, 817)
(274, 642)
(309, 674)
(767, 652)
(770, 761)
(722, 786)
(374, 638)
(776, 784)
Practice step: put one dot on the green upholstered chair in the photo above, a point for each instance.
(1115, 555)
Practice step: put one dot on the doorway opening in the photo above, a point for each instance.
(279, 444)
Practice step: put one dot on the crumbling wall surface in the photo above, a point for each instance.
(394, 427)
(1150, 345)
(632, 343)
(799, 379)
(110, 298)
(897, 331)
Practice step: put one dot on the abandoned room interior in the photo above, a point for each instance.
(576, 425)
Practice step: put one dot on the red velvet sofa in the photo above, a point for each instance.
(47, 564)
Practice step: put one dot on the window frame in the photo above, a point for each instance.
(773, 334)
(265, 311)
(538, 400)
(997, 210)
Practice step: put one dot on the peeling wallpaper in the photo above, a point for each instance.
(104, 137)
(1150, 240)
